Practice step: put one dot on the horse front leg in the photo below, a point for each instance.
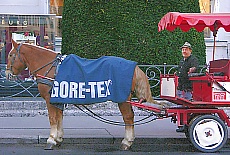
(55, 119)
(60, 131)
(128, 117)
(56, 126)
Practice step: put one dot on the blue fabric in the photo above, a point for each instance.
(87, 81)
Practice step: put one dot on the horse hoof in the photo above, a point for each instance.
(58, 144)
(125, 147)
(49, 147)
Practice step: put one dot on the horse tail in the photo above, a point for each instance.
(142, 87)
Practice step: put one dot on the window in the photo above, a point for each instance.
(56, 7)
(33, 29)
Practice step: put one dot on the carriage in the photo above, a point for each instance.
(202, 120)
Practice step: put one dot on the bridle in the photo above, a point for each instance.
(42, 78)
(14, 58)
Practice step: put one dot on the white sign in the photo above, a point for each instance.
(220, 95)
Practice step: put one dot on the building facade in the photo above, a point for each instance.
(33, 21)
(39, 21)
(223, 38)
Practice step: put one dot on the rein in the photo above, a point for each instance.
(142, 121)
(44, 79)
(14, 57)
(18, 49)
(54, 64)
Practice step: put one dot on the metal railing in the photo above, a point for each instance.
(27, 87)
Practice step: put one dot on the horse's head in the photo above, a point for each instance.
(15, 62)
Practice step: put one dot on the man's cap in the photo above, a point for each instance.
(187, 44)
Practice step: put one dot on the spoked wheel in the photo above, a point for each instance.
(208, 133)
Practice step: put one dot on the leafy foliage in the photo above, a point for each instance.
(128, 29)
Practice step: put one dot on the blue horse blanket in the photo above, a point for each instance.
(87, 81)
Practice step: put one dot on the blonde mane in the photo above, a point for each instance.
(42, 48)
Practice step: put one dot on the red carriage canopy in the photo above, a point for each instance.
(186, 21)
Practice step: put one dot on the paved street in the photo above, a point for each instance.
(85, 135)
(34, 129)
(179, 147)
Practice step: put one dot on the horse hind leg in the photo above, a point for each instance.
(142, 88)
(128, 117)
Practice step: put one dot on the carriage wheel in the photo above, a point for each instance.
(208, 133)
(186, 132)
(192, 118)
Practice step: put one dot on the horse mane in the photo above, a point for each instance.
(38, 47)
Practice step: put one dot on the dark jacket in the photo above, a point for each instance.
(183, 69)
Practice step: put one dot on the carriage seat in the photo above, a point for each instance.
(220, 66)
(202, 83)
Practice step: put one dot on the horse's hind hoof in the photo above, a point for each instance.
(49, 147)
(58, 144)
(125, 147)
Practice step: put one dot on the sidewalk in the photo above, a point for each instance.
(81, 129)
(27, 122)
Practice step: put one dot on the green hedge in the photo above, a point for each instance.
(125, 28)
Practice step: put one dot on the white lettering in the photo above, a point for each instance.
(25, 22)
(73, 90)
(11, 22)
(81, 89)
(65, 90)
(55, 89)
(107, 83)
(100, 88)
(94, 89)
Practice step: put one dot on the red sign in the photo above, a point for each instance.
(219, 96)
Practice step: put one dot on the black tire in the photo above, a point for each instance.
(208, 133)
(192, 118)
(186, 133)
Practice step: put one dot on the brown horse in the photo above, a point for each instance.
(40, 61)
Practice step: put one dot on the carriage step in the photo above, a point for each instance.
(181, 129)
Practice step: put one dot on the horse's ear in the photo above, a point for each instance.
(15, 45)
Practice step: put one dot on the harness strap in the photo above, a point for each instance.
(18, 49)
(45, 66)
(55, 63)
(45, 81)
(14, 57)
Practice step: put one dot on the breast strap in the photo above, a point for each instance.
(55, 64)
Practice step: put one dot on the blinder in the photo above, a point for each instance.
(14, 58)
